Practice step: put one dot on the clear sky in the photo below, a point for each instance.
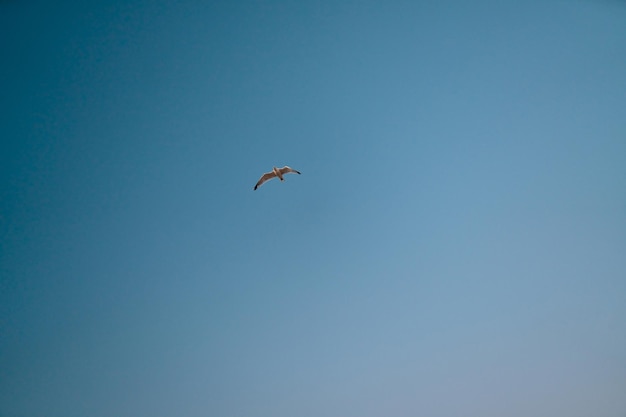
(455, 245)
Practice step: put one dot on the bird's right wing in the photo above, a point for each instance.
(264, 177)
(286, 169)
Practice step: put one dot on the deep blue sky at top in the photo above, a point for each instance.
(455, 244)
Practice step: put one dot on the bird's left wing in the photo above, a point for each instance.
(264, 177)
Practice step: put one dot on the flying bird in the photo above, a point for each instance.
(276, 172)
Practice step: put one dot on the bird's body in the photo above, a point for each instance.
(276, 172)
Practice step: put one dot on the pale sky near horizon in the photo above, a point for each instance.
(455, 245)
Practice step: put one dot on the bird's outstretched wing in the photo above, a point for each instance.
(286, 170)
(264, 177)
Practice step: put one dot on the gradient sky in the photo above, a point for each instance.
(455, 245)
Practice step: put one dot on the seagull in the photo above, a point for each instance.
(276, 172)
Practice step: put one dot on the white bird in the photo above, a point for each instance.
(276, 172)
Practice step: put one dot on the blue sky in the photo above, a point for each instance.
(454, 246)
